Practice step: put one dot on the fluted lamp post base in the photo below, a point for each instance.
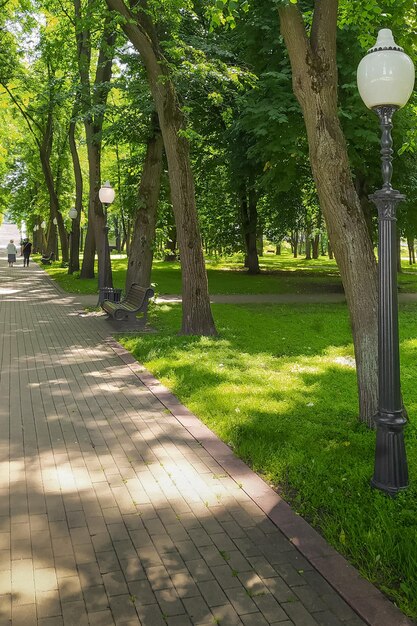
(391, 470)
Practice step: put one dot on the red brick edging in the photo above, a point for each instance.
(365, 599)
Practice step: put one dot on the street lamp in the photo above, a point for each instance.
(73, 213)
(385, 82)
(106, 195)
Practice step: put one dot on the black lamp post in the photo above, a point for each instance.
(385, 83)
(106, 195)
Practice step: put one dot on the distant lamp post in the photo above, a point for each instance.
(55, 221)
(43, 225)
(74, 242)
(106, 195)
(385, 82)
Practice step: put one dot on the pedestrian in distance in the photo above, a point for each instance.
(11, 253)
(26, 251)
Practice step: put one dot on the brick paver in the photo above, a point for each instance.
(111, 511)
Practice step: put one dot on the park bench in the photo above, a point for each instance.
(136, 301)
(47, 260)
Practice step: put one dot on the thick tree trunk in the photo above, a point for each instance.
(315, 244)
(141, 250)
(87, 267)
(52, 241)
(197, 318)
(363, 191)
(314, 69)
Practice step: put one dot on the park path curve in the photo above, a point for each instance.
(118, 507)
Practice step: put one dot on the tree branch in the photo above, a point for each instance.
(28, 118)
(324, 28)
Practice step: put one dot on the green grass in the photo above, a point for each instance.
(278, 385)
(280, 275)
(227, 276)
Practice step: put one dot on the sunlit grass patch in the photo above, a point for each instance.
(279, 385)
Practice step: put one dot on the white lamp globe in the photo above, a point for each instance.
(55, 221)
(43, 225)
(73, 213)
(106, 193)
(386, 74)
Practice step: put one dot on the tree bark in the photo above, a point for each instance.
(315, 244)
(329, 249)
(314, 70)
(74, 259)
(93, 103)
(197, 317)
(89, 253)
(141, 250)
(307, 235)
(249, 221)
(294, 243)
(399, 266)
(410, 245)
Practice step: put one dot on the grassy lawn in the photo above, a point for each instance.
(280, 275)
(279, 386)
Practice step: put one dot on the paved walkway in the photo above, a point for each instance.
(119, 508)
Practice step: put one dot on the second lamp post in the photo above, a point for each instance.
(385, 83)
(106, 196)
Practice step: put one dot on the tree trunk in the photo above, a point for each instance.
(197, 317)
(117, 235)
(74, 259)
(329, 249)
(399, 266)
(294, 243)
(141, 251)
(249, 221)
(54, 210)
(313, 61)
(93, 100)
(260, 242)
(362, 189)
(52, 241)
(315, 244)
(308, 244)
(87, 267)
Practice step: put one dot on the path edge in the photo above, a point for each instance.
(363, 597)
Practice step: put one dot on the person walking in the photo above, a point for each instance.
(26, 251)
(11, 253)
